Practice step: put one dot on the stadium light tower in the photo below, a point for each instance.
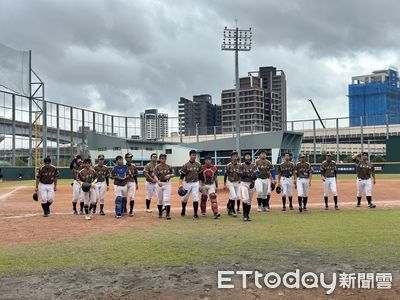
(237, 40)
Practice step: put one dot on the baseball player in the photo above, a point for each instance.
(190, 172)
(103, 182)
(150, 180)
(162, 175)
(132, 185)
(329, 178)
(263, 182)
(209, 180)
(247, 176)
(121, 175)
(46, 184)
(302, 181)
(89, 198)
(76, 166)
(285, 173)
(232, 176)
(365, 170)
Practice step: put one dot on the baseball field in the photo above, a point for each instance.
(67, 257)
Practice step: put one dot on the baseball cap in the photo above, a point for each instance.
(263, 151)
(234, 153)
(329, 154)
(208, 157)
(128, 155)
(302, 156)
(192, 152)
(101, 156)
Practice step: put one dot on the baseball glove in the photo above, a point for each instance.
(272, 187)
(278, 189)
(35, 197)
(182, 192)
(86, 187)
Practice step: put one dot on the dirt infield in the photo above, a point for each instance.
(22, 216)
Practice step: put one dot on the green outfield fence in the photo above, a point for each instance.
(28, 173)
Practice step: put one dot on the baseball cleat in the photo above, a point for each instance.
(45, 215)
(326, 207)
(358, 205)
(183, 213)
(283, 208)
(337, 207)
(117, 217)
(88, 217)
(266, 209)
(74, 212)
(102, 213)
(148, 210)
(81, 212)
(160, 216)
(291, 207)
(371, 205)
(131, 213)
(305, 208)
(233, 214)
(168, 217)
(259, 209)
(238, 212)
(203, 214)
(217, 215)
(196, 216)
(245, 219)
(300, 209)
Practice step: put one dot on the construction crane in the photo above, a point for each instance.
(315, 109)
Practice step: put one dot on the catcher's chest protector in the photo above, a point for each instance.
(209, 174)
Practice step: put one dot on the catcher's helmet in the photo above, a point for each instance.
(86, 187)
(213, 196)
(35, 197)
(278, 189)
(272, 187)
(182, 192)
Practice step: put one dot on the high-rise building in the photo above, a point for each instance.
(375, 97)
(262, 97)
(153, 124)
(199, 115)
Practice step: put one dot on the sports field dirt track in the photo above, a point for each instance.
(22, 216)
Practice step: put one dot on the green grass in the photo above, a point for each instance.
(370, 236)
(176, 179)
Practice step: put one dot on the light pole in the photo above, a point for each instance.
(237, 40)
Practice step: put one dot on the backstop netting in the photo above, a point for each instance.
(14, 70)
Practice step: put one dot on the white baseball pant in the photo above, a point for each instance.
(192, 188)
(121, 191)
(286, 183)
(131, 190)
(163, 193)
(364, 185)
(76, 191)
(151, 188)
(246, 192)
(89, 197)
(263, 187)
(302, 187)
(46, 192)
(234, 190)
(330, 183)
(101, 188)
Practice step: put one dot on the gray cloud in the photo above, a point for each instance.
(124, 56)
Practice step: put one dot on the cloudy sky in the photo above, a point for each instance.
(124, 56)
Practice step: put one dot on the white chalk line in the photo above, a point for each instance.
(274, 208)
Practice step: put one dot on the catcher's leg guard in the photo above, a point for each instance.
(203, 204)
(214, 207)
(118, 206)
(123, 204)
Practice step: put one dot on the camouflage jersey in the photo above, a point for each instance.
(264, 167)
(134, 171)
(47, 174)
(191, 171)
(303, 170)
(286, 169)
(328, 169)
(232, 172)
(87, 176)
(162, 170)
(149, 170)
(247, 171)
(364, 169)
(102, 173)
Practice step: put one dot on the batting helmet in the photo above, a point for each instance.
(35, 197)
(86, 187)
(251, 186)
(272, 187)
(278, 189)
(181, 191)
